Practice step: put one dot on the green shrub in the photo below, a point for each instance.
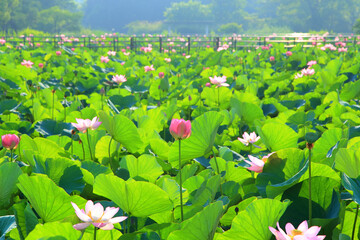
(230, 28)
(139, 27)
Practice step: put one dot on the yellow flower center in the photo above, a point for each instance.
(294, 233)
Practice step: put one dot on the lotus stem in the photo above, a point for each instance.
(53, 105)
(181, 197)
(110, 149)
(218, 98)
(355, 220)
(11, 153)
(87, 136)
(217, 168)
(95, 233)
(82, 144)
(310, 201)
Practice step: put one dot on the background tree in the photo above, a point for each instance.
(188, 17)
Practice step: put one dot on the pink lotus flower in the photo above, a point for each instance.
(10, 141)
(308, 71)
(219, 81)
(2, 41)
(342, 49)
(126, 53)
(84, 124)
(27, 64)
(208, 84)
(249, 138)
(303, 232)
(311, 63)
(161, 74)
(257, 164)
(288, 53)
(167, 60)
(104, 59)
(272, 58)
(41, 65)
(149, 68)
(119, 79)
(38, 44)
(58, 53)
(180, 129)
(298, 75)
(94, 214)
(111, 53)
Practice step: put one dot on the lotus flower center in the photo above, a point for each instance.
(295, 232)
(264, 159)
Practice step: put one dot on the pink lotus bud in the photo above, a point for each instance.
(161, 74)
(58, 53)
(10, 141)
(180, 129)
(208, 84)
(72, 49)
(272, 58)
(41, 65)
(288, 53)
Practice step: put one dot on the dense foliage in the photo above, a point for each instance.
(292, 101)
(50, 16)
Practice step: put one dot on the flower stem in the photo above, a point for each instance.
(310, 201)
(53, 106)
(72, 141)
(82, 144)
(110, 149)
(87, 135)
(218, 98)
(11, 153)
(355, 220)
(95, 233)
(218, 169)
(181, 197)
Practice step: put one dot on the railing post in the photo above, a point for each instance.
(217, 43)
(160, 44)
(264, 41)
(189, 41)
(114, 46)
(132, 43)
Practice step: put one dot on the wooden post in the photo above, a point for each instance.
(189, 40)
(160, 44)
(217, 43)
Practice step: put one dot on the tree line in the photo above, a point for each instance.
(181, 16)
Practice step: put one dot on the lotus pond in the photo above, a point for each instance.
(212, 145)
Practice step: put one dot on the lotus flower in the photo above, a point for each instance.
(119, 79)
(301, 233)
(111, 53)
(58, 53)
(167, 60)
(219, 81)
(342, 49)
(83, 124)
(10, 141)
(288, 53)
(308, 71)
(298, 75)
(272, 58)
(27, 64)
(180, 129)
(104, 59)
(41, 65)
(149, 68)
(2, 41)
(94, 214)
(249, 138)
(257, 164)
(161, 74)
(311, 63)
